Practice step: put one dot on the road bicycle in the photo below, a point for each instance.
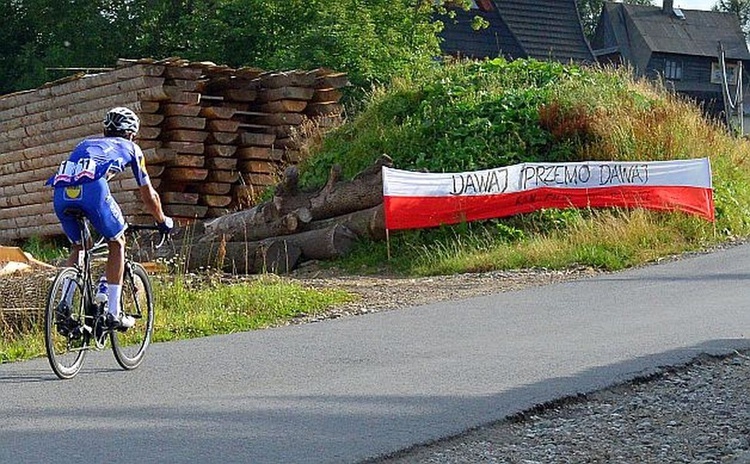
(74, 324)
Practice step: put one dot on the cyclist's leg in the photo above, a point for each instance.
(106, 217)
(67, 197)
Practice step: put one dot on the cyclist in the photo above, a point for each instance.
(81, 182)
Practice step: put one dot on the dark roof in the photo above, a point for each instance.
(496, 40)
(541, 29)
(698, 34)
(547, 28)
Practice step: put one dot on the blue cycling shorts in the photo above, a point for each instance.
(97, 204)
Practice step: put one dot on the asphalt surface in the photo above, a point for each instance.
(345, 390)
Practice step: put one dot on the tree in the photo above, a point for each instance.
(741, 8)
(591, 9)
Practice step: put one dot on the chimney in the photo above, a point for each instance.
(667, 6)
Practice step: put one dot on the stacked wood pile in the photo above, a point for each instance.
(214, 136)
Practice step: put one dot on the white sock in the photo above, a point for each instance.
(113, 295)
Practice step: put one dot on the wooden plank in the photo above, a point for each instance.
(192, 148)
(179, 198)
(332, 81)
(283, 106)
(221, 163)
(97, 104)
(327, 95)
(215, 188)
(146, 107)
(263, 140)
(224, 151)
(177, 95)
(259, 153)
(277, 119)
(144, 87)
(216, 201)
(19, 100)
(182, 72)
(186, 211)
(223, 125)
(184, 135)
(285, 93)
(328, 108)
(184, 122)
(177, 109)
(217, 112)
(185, 174)
(227, 177)
(148, 133)
(240, 95)
(222, 138)
(257, 166)
(288, 79)
(150, 119)
(188, 161)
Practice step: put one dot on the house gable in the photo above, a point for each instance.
(541, 29)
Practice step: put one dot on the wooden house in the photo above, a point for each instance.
(682, 47)
(540, 29)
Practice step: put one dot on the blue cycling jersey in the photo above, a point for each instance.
(99, 157)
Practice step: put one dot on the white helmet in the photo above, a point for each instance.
(121, 119)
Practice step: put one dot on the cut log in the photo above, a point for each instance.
(336, 198)
(257, 223)
(367, 223)
(255, 256)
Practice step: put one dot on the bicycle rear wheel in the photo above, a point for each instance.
(129, 347)
(64, 318)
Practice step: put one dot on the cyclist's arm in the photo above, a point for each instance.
(152, 201)
(149, 196)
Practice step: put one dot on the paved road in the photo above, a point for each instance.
(345, 390)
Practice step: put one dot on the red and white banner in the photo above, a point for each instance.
(415, 200)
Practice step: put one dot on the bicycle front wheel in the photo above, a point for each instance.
(65, 336)
(129, 347)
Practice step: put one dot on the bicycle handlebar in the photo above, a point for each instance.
(132, 228)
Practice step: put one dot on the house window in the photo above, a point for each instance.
(732, 70)
(673, 70)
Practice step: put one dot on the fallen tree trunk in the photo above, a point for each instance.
(276, 254)
(290, 209)
(367, 223)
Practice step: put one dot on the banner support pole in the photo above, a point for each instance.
(388, 243)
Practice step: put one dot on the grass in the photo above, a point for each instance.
(187, 307)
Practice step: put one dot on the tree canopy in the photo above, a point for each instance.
(369, 40)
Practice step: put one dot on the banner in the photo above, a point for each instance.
(415, 200)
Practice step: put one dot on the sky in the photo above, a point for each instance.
(692, 4)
